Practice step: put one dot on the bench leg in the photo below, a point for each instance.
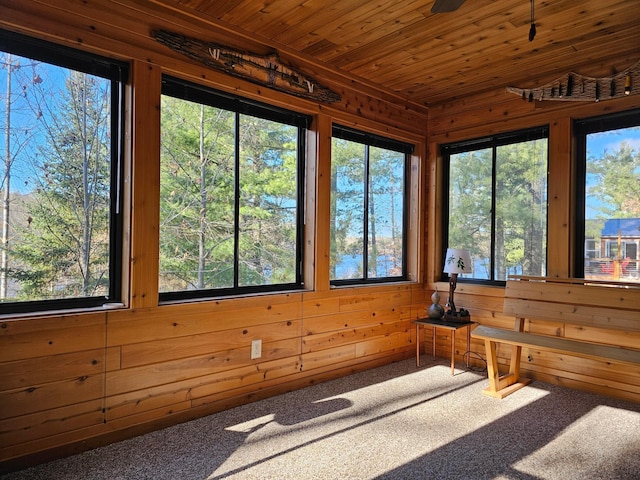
(492, 366)
(500, 387)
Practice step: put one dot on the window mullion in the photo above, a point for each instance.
(365, 240)
(236, 205)
(494, 180)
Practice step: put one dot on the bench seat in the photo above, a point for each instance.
(559, 345)
(587, 304)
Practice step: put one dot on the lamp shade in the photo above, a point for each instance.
(457, 261)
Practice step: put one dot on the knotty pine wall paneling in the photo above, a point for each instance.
(69, 382)
(496, 112)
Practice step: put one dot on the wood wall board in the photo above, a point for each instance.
(24, 428)
(348, 320)
(327, 357)
(630, 339)
(146, 416)
(601, 384)
(320, 305)
(40, 337)
(585, 386)
(146, 376)
(150, 399)
(369, 302)
(53, 395)
(464, 295)
(275, 374)
(63, 26)
(48, 448)
(399, 341)
(34, 371)
(155, 397)
(303, 379)
(320, 341)
(208, 405)
(113, 358)
(180, 347)
(203, 390)
(514, 113)
(137, 326)
(622, 374)
(344, 299)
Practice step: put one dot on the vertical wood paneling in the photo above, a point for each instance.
(145, 184)
(560, 195)
(323, 204)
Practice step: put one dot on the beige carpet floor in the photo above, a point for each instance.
(393, 422)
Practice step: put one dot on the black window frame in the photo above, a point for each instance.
(117, 72)
(193, 92)
(581, 128)
(372, 140)
(493, 142)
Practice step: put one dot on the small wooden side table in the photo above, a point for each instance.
(438, 323)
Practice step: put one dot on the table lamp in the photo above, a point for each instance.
(456, 261)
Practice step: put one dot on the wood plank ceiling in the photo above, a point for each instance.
(400, 46)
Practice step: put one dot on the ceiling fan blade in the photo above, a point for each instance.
(444, 6)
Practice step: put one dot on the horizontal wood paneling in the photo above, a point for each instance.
(50, 422)
(126, 370)
(495, 112)
(46, 396)
(191, 345)
(39, 337)
(22, 373)
(74, 381)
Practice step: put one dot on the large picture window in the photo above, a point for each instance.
(608, 240)
(60, 123)
(231, 201)
(496, 203)
(368, 207)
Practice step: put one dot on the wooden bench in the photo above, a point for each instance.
(568, 301)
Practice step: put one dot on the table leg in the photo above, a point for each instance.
(453, 351)
(433, 349)
(417, 344)
(467, 353)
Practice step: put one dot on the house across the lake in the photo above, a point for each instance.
(614, 253)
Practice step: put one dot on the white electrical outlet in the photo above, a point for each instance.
(256, 349)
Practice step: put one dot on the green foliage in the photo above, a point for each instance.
(614, 179)
(519, 242)
(64, 249)
(383, 246)
(199, 164)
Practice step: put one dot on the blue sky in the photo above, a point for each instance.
(601, 142)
